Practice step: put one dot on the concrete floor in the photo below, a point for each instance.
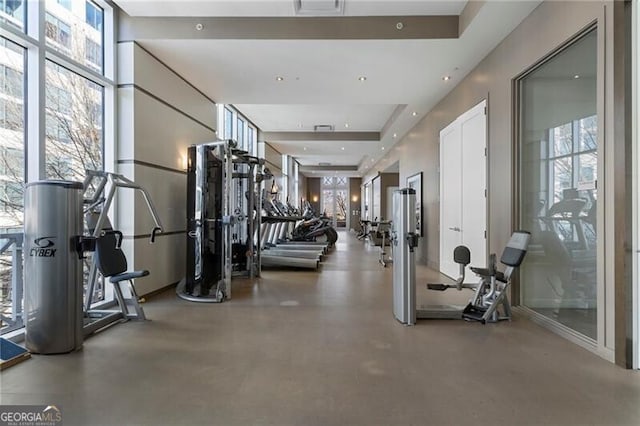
(322, 348)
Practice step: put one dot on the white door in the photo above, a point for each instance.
(450, 197)
(463, 189)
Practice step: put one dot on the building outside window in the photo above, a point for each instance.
(93, 54)
(94, 16)
(58, 32)
(12, 13)
(64, 3)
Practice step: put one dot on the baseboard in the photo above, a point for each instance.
(544, 303)
(159, 290)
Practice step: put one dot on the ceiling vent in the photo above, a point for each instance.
(323, 127)
(318, 7)
(324, 164)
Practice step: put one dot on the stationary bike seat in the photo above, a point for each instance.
(438, 287)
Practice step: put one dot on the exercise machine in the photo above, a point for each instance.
(108, 261)
(222, 219)
(489, 302)
(384, 231)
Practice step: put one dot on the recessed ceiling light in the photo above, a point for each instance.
(199, 27)
(414, 113)
(383, 148)
(346, 125)
(372, 160)
(279, 78)
(343, 148)
(304, 149)
(576, 76)
(395, 135)
(362, 78)
(446, 78)
(300, 125)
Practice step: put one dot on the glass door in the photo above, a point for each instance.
(558, 191)
(328, 204)
(335, 196)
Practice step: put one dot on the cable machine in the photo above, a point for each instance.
(222, 183)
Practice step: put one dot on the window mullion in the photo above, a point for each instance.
(35, 95)
(82, 70)
(575, 143)
(17, 36)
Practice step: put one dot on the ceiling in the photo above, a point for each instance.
(320, 78)
(259, 8)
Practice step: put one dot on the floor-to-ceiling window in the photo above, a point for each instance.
(367, 202)
(558, 191)
(234, 125)
(56, 110)
(284, 190)
(335, 196)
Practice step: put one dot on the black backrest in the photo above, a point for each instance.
(110, 260)
(462, 255)
(516, 248)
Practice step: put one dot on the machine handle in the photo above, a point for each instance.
(118, 235)
(455, 229)
(412, 240)
(83, 244)
(156, 229)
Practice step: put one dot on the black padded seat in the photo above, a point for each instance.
(485, 272)
(125, 276)
(111, 260)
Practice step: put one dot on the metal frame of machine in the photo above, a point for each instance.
(490, 293)
(128, 308)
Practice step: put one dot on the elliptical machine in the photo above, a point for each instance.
(314, 228)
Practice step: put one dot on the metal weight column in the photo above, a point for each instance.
(53, 266)
(404, 239)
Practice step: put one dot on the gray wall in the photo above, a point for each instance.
(547, 28)
(313, 190)
(159, 115)
(386, 180)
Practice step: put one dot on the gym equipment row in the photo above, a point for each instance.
(278, 251)
(293, 240)
(489, 302)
